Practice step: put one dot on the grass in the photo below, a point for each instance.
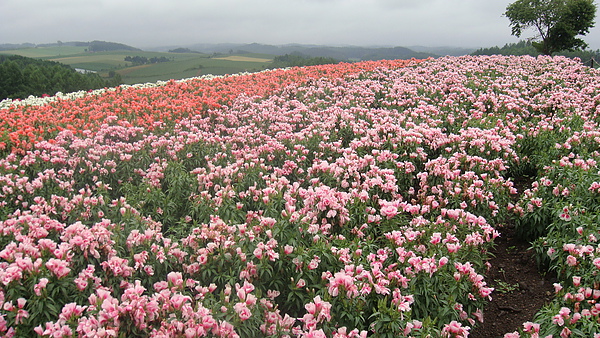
(243, 58)
(505, 287)
(189, 65)
(181, 65)
(44, 52)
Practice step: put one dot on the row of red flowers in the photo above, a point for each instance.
(21, 125)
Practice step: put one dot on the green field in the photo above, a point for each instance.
(45, 52)
(179, 66)
(187, 65)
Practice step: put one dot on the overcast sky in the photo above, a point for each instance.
(152, 23)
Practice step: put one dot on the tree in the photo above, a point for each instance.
(21, 77)
(11, 80)
(557, 22)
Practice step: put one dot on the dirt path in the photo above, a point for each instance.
(520, 290)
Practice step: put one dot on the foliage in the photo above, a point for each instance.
(181, 66)
(182, 50)
(22, 77)
(102, 46)
(558, 22)
(524, 47)
(299, 60)
(339, 200)
(142, 60)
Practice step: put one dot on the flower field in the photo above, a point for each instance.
(346, 200)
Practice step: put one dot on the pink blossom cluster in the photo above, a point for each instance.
(316, 209)
(559, 211)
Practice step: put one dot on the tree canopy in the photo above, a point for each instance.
(525, 47)
(296, 59)
(558, 22)
(21, 76)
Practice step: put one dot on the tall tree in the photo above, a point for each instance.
(558, 22)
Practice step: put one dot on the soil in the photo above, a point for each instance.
(520, 289)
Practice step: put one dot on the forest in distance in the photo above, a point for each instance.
(39, 70)
(22, 77)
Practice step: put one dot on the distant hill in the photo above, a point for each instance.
(344, 53)
(103, 46)
(12, 46)
(444, 50)
(182, 50)
(395, 53)
(93, 46)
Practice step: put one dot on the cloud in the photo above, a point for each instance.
(473, 23)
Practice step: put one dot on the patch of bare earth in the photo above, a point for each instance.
(520, 288)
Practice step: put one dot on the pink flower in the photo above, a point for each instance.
(315, 334)
(558, 320)
(258, 253)
(21, 313)
(455, 329)
(575, 318)
(341, 279)
(565, 216)
(242, 310)
(452, 247)
(58, 267)
(557, 287)
(512, 335)
(531, 327)
(140, 259)
(436, 237)
(564, 312)
(37, 288)
(389, 209)
(314, 263)
(71, 310)
(479, 315)
(272, 294)
(319, 309)
(54, 330)
(119, 267)
(178, 300)
(175, 279)
(566, 332)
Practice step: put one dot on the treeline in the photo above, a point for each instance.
(183, 50)
(104, 46)
(142, 60)
(93, 46)
(526, 48)
(21, 77)
(299, 60)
